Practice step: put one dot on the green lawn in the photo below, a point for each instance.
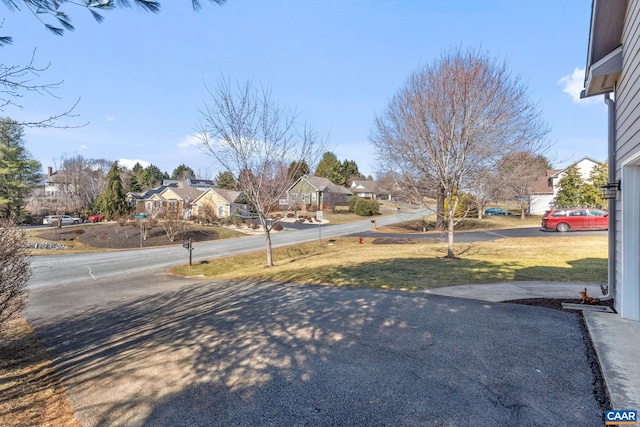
(416, 264)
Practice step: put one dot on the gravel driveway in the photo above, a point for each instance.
(162, 351)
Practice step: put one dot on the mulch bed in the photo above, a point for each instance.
(556, 303)
(115, 236)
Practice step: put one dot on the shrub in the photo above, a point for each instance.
(364, 207)
(277, 227)
(15, 270)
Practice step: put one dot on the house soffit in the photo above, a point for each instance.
(604, 53)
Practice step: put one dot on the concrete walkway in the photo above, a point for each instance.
(616, 340)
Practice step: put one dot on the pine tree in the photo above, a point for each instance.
(350, 171)
(330, 168)
(570, 189)
(183, 172)
(112, 200)
(19, 173)
(226, 181)
(298, 169)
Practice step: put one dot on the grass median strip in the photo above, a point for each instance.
(416, 264)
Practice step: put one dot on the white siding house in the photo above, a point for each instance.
(546, 190)
(613, 69)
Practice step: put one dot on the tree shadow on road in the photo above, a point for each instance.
(247, 353)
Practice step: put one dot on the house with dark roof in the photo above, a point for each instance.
(175, 198)
(315, 191)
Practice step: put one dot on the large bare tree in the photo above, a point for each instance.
(452, 119)
(256, 140)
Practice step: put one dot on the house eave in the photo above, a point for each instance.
(604, 54)
(602, 76)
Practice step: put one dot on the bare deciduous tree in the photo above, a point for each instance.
(256, 141)
(519, 173)
(453, 118)
(15, 270)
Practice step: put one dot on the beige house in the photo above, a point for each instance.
(174, 199)
(225, 203)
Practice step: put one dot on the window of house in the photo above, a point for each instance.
(220, 211)
(172, 205)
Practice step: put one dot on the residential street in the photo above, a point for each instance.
(63, 269)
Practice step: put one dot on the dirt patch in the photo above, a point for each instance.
(32, 394)
(115, 236)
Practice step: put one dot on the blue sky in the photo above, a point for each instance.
(141, 77)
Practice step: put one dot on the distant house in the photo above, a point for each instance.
(315, 191)
(225, 203)
(545, 189)
(56, 182)
(175, 198)
(365, 189)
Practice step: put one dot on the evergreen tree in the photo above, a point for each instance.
(112, 200)
(570, 189)
(331, 168)
(151, 177)
(226, 181)
(183, 172)
(298, 169)
(597, 178)
(133, 179)
(599, 174)
(350, 171)
(19, 173)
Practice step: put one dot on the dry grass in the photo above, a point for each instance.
(416, 264)
(30, 393)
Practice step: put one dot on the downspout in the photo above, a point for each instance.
(611, 104)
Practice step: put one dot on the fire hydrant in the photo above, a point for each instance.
(360, 239)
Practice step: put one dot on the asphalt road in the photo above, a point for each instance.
(154, 350)
(64, 269)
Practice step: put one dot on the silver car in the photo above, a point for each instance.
(66, 220)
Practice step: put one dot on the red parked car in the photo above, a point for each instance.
(96, 218)
(576, 219)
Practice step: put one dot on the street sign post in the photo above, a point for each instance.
(319, 218)
(141, 216)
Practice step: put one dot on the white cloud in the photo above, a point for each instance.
(110, 118)
(84, 147)
(129, 164)
(574, 84)
(190, 141)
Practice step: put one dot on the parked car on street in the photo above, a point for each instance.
(96, 218)
(497, 211)
(576, 219)
(66, 220)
